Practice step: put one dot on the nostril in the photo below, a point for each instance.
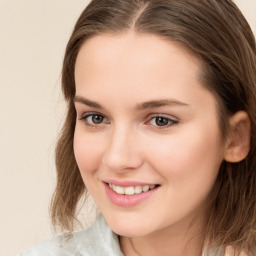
(122, 161)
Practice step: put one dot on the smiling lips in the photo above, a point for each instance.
(131, 190)
(128, 196)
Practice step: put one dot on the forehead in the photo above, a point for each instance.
(131, 49)
(138, 63)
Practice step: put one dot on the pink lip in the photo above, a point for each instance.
(127, 200)
(127, 183)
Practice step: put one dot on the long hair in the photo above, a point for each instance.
(218, 34)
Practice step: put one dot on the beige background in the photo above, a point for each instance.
(33, 35)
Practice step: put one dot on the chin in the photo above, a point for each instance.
(129, 227)
(128, 231)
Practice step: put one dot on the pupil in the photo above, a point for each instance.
(161, 121)
(97, 119)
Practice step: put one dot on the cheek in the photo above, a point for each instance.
(88, 153)
(189, 167)
(193, 154)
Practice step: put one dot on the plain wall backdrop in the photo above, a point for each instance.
(33, 36)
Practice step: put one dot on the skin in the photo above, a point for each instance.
(120, 73)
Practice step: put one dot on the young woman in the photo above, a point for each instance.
(160, 131)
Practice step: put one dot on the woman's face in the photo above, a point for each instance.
(144, 123)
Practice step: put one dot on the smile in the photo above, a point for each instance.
(131, 190)
(128, 195)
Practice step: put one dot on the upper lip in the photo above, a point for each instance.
(128, 183)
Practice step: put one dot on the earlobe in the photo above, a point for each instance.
(238, 141)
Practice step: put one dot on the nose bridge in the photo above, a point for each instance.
(122, 152)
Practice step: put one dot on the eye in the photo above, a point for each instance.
(96, 119)
(93, 119)
(162, 121)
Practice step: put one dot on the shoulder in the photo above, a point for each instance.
(227, 251)
(98, 239)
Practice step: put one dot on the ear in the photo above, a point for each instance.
(238, 141)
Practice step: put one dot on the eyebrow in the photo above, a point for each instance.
(87, 102)
(160, 103)
(140, 106)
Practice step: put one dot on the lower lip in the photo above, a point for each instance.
(127, 200)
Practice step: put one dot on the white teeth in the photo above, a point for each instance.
(119, 190)
(138, 189)
(131, 190)
(152, 186)
(145, 188)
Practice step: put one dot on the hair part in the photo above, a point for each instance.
(217, 33)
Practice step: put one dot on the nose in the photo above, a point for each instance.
(122, 152)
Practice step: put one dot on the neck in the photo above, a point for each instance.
(167, 242)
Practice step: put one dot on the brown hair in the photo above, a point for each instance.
(218, 34)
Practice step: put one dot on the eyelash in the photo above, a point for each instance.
(170, 122)
(91, 124)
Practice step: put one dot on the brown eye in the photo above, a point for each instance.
(97, 119)
(161, 121)
(94, 119)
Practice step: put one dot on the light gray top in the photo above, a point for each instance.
(97, 240)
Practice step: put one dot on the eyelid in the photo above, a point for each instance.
(88, 113)
(174, 120)
(85, 115)
(171, 117)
